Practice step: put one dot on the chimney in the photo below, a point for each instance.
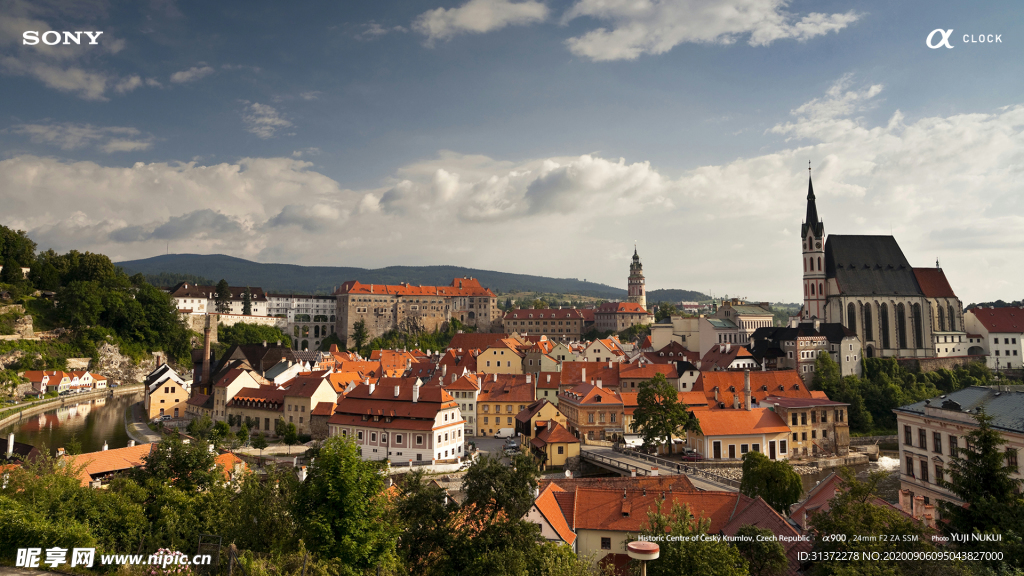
(495, 375)
(10, 445)
(264, 343)
(599, 383)
(444, 370)
(416, 390)
(654, 472)
(454, 378)
(104, 446)
(159, 360)
(529, 379)
(728, 348)
(302, 474)
(746, 386)
(373, 386)
(131, 443)
(205, 381)
(736, 401)
(583, 374)
(550, 425)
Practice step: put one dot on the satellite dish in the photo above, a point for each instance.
(568, 473)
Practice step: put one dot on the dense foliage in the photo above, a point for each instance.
(886, 385)
(775, 481)
(685, 552)
(659, 414)
(95, 299)
(242, 333)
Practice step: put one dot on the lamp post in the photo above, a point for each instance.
(643, 551)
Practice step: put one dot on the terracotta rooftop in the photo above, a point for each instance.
(933, 283)
(762, 384)
(736, 422)
(458, 287)
(1001, 320)
(109, 461)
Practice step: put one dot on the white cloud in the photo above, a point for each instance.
(949, 187)
(67, 68)
(70, 136)
(373, 30)
(263, 120)
(192, 74)
(311, 95)
(640, 27)
(478, 16)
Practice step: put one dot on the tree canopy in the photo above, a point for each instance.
(659, 414)
(775, 481)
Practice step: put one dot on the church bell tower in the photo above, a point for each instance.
(812, 235)
(637, 291)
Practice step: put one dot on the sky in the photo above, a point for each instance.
(532, 136)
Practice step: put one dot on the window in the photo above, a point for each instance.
(824, 416)
(373, 436)
(910, 466)
(744, 448)
(795, 435)
(1011, 459)
(419, 440)
(939, 477)
(561, 449)
(606, 543)
(924, 471)
(922, 438)
(803, 436)
(782, 446)
(359, 435)
(803, 418)
(755, 447)
(937, 442)
(814, 417)
(908, 437)
(814, 434)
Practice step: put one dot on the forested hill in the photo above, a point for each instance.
(323, 279)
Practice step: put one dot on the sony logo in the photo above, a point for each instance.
(52, 37)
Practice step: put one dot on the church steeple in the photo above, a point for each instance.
(812, 239)
(636, 282)
(811, 219)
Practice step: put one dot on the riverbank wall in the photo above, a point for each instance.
(39, 407)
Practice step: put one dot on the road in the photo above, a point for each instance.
(622, 462)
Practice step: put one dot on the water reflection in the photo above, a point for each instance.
(91, 421)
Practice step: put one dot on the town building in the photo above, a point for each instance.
(535, 417)
(311, 318)
(554, 445)
(604, 350)
(260, 407)
(797, 347)
(931, 432)
(593, 412)
(817, 425)
(619, 316)
(729, 434)
(732, 389)
(502, 357)
(1000, 332)
(501, 397)
(166, 393)
(867, 284)
(684, 330)
(557, 323)
(200, 299)
(465, 389)
(402, 420)
(387, 307)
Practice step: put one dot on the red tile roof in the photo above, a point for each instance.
(109, 461)
(933, 283)
(474, 341)
(458, 287)
(646, 371)
(789, 381)
(506, 388)
(1003, 320)
(572, 373)
(621, 308)
(739, 422)
(597, 509)
(556, 434)
(323, 409)
(547, 504)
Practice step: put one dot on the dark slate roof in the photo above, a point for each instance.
(811, 219)
(1006, 408)
(869, 265)
(834, 331)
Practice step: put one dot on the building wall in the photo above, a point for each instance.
(869, 309)
(560, 329)
(504, 412)
(705, 444)
(267, 418)
(809, 435)
(499, 361)
(170, 396)
(588, 543)
(402, 445)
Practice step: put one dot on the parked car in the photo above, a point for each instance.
(692, 456)
(505, 433)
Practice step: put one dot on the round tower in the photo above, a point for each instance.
(637, 290)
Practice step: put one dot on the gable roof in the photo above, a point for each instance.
(556, 434)
(740, 422)
(108, 461)
(506, 388)
(547, 505)
(621, 308)
(933, 283)
(778, 383)
(1009, 319)
(626, 511)
(458, 287)
(869, 265)
(474, 340)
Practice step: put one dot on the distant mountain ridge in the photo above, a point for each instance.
(323, 279)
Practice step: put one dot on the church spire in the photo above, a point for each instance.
(812, 208)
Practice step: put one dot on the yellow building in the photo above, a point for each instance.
(166, 393)
(554, 445)
(502, 357)
(535, 417)
(227, 387)
(501, 398)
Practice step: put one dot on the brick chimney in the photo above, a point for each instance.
(746, 387)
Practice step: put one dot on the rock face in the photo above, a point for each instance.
(120, 369)
(10, 358)
(23, 325)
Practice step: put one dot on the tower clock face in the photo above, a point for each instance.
(817, 244)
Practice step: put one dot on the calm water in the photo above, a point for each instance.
(91, 421)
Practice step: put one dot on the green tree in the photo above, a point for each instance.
(260, 443)
(773, 480)
(659, 414)
(344, 509)
(15, 245)
(291, 434)
(264, 520)
(80, 303)
(665, 310)
(200, 427)
(11, 272)
(765, 555)
(856, 510)
(243, 333)
(685, 552)
(247, 302)
(494, 488)
(186, 466)
(359, 335)
(980, 475)
(243, 434)
(826, 372)
(222, 299)
(428, 517)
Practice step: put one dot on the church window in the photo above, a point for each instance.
(883, 325)
(916, 310)
(805, 265)
(867, 323)
(851, 315)
(952, 320)
(812, 289)
(942, 320)
(819, 262)
(821, 290)
(901, 325)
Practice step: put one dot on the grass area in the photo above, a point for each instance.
(44, 314)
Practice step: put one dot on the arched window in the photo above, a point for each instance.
(819, 262)
(305, 345)
(942, 320)
(296, 331)
(883, 325)
(918, 332)
(851, 316)
(805, 265)
(812, 289)
(805, 289)
(316, 331)
(821, 289)
(868, 336)
(305, 331)
(952, 320)
(901, 325)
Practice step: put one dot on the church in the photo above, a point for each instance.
(866, 284)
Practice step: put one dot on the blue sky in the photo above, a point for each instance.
(528, 136)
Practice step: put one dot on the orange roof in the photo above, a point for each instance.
(737, 422)
(590, 394)
(474, 340)
(466, 382)
(109, 461)
(597, 509)
(323, 409)
(228, 461)
(548, 507)
(458, 287)
(695, 398)
(572, 373)
(762, 384)
(621, 308)
(1009, 319)
(646, 371)
(556, 434)
(819, 395)
(506, 388)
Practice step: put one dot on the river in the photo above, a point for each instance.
(888, 487)
(90, 421)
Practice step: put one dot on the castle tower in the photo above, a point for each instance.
(812, 236)
(637, 291)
